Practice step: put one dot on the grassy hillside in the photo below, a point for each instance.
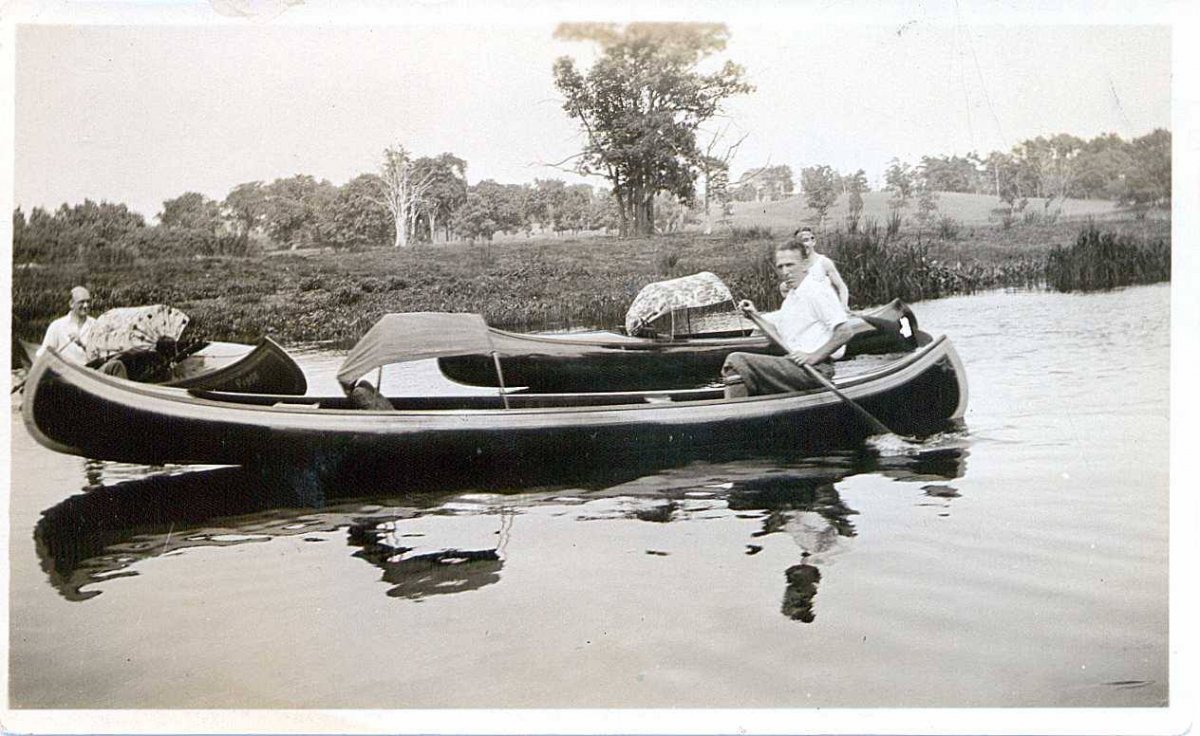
(970, 210)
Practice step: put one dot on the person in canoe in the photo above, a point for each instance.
(820, 266)
(71, 334)
(813, 324)
(68, 334)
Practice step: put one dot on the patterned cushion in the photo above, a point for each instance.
(659, 299)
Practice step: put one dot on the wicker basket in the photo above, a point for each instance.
(713, 320)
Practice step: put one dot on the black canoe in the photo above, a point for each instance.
(262, 368)
(78, 411)
(609, 361)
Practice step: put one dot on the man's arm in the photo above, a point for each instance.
(768, 328)
(52, 338)
(839, 285)
(841, 335)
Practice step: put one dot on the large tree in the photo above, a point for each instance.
(1148, 181)
(491, 208)
(546, 202)
(640, 105)
(445, 192)
(401, 188)
(95, 224)
(192, 211)
(1059, 167)
(108, 221)
(855, 184)
(820, 186)
(352, 219)
(1099, 167)
(245, 207)
(901, 180)
(72, 231)
(603, 212)
(948, 173)
(573, 211)
(293, 207)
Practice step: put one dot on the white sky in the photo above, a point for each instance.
(140, 102)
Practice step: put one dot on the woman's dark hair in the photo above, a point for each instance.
(794, 243)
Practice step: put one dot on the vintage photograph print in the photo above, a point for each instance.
(521, 368)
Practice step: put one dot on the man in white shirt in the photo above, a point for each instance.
(812, 323)
(68, 334)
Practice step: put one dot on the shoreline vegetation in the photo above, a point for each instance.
(330, 298)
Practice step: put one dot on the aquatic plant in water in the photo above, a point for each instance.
(1106, 260)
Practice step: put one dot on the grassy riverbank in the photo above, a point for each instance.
(327, 297)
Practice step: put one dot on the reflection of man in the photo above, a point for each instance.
(812, 512)
(801, 589)
(68, 334)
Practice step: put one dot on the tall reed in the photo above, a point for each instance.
(1105, 260)
(894, 221)
(877, 269)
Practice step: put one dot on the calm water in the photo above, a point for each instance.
(1020, 562)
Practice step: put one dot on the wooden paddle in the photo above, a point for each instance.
(877, 427)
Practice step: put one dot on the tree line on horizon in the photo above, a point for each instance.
(1061, 166)
(302, 211)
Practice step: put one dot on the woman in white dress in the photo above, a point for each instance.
(818, 267)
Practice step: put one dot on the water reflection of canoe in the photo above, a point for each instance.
(608, 361)
(264, 367)
(88, 541)
(78, 411)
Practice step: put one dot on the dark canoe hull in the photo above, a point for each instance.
(620, 363)
(265, 369)
(83, 412)
(262, 368)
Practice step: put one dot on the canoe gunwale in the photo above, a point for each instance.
(160, 396)
(95, 415)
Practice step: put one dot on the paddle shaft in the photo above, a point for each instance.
(877, 427)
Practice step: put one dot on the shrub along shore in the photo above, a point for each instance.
(539, 284)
